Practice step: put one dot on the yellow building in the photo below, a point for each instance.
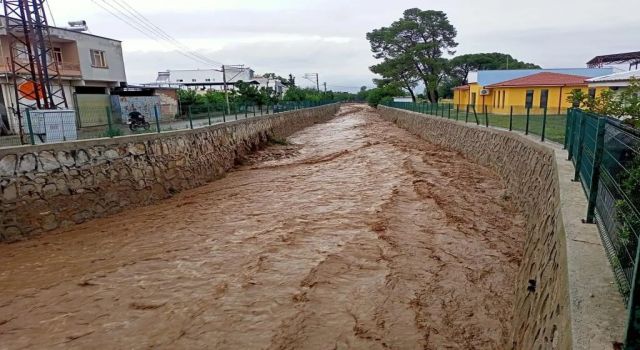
(530, 89)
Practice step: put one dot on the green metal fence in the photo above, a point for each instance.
(102, 122)
(547, 124)
(606, 157)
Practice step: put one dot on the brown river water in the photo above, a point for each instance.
(354, 235)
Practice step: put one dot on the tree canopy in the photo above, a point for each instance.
(419, 38)
(460, 66)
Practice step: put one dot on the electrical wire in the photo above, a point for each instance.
(153, 27)
(129, 20)
(53, 20)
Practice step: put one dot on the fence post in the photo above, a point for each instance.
(466, 117)
(544, 124)
(449, 112)
(209, 113)
(526, 128)
(157, 115)
(436, 114)
(595, 175)
(254, 109)
(632, 328)
(245, 110)
(190, 117)
(457, 111)
(224, 114)
(567, 128)
(475, 114)
(486, 116)
(32, 139)
(578, 163)
(572, 137)
(109, 121)
(511, 119)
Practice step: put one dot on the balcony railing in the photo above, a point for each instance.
(66, 68)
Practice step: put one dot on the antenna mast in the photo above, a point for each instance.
(35, 71)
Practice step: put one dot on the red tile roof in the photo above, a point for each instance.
(462, 87)
(543, 79)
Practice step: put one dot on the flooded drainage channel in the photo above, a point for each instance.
(354, 234)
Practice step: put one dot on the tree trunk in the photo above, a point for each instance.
(413, 95)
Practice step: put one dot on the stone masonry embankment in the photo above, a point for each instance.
(547, 308)
(49, 186)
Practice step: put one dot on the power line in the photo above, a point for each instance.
(119, 15)
(153, 27)
(144, 21)
(133, 22)
(50, 13)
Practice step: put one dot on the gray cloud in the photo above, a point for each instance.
(270, 35)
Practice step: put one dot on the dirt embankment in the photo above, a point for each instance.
(355, 235)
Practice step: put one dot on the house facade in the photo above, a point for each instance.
(539, 89)
(90, 66)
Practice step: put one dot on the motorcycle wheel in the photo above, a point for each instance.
(132, 127)
(147, 126)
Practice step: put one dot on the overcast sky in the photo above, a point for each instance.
(328, 36)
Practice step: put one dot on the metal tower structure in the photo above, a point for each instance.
(35, 71)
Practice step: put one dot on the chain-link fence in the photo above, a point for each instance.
(50, 126)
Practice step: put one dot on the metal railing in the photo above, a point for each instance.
(100, 122)
(606, 157)
(549, 124)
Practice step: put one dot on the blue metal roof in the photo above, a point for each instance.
(488, 77)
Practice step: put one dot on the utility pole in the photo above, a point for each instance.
(225, 82)
(314, 78)
(226, 95)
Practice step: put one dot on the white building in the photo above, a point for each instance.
(203, 80)
(89, 65)
(615, 81)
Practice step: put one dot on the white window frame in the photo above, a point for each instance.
(98, 59)
(57, 54)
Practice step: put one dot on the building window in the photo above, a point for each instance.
(592, 93)
(179, 80)
(57, 54)
(193, 80)
(97, 59)
(528, 101)
(504, 92)
(544, 97)
(207, 80)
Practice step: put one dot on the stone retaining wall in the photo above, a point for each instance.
(45, 187)
(547, 309)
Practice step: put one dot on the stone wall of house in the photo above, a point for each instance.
(542, 311)
(49, 186)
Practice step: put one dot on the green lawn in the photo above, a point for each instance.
(555, 126)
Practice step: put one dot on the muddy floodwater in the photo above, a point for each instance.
(353, 235)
